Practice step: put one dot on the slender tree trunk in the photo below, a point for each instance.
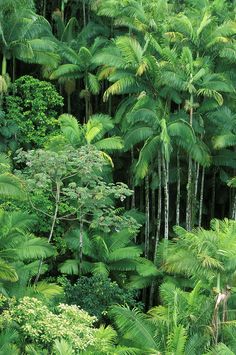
(213, 195)
(153, 208)
(201, 197)
(4, 65)
(84, 13)
(165, 166)
(189, 183)
(62, 11)
(233, 214)
(196, 180)
(158, 227)
(178, 190)
(81, 236)
(132, 180)
(147, 217)
(44, 8)
(13, 69)
(54, 219)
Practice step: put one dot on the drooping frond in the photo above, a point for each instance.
(147, 153)
(7, 272)
(224, 141)
(66, 71)
(130, 49)
(34, 248)
(134, 326)
(110, 144)
(121, 86)
(137, 135)
(11, 186)
(71, 129)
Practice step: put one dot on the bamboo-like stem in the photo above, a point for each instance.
(84, 13)
(196, 180)
(147, 217)
(4, 65)
(158, 227)
(201, 197)
(81, 237)
(165, 166)
(233, 214)
(178, 190)
(189, 183)
(132, 180)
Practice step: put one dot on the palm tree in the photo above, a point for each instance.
(110, 255)
(181, 324)
(93, 132)
(214, 265)
(17, 245)
(25, 36)
(78, 64)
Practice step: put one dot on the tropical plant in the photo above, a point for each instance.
(110, 255)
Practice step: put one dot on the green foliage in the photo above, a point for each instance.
(30, 113)
(112, 255)
(205, 255)
(39, 325)
(95, 294)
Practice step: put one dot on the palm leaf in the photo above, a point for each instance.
(128, 252)
(34, 248)
(11, 186)
(7, 272)
(110, 144)
(70, 267)
(134, 326)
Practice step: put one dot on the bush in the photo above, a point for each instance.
(31, 113)
(95, 294)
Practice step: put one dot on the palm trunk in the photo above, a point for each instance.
(178, 190)
(62, 11)
(44, 8)
(152, 289)
(233, 215)
(147, 217)
(4, 65)
(84, 13)
(153, 208)
(196, 180)
(54, 219)
(13, 69)
(132, 180)
(81, 236)
(165, 166)
(201, 197)
(213, 195)
(189, 183)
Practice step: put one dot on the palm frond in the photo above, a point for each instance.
(11, 186)
(134, 326)
(110, 144)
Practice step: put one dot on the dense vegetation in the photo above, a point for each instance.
(118, 177)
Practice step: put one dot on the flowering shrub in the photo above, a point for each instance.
(37, 324)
